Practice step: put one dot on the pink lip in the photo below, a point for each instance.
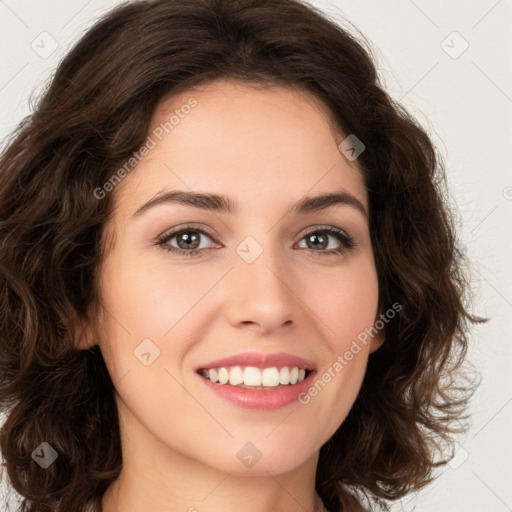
(259, 360)
(260, 399)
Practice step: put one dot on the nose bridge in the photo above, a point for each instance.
(261, 262)
(260, 289)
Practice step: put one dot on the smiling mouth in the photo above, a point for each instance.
(251, 377)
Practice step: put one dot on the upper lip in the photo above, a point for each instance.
(260, 360)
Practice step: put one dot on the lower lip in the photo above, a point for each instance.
(262, 399)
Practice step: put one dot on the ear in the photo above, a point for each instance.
(377, 341)
(85, 335)
(379, 337)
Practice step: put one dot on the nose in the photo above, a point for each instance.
(262, 295)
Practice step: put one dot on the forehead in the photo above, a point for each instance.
(265, 144)
(249, 99)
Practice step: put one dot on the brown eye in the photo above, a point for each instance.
(187, 241)
(318, 241)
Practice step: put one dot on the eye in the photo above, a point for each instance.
(188, 241)
(319, 239)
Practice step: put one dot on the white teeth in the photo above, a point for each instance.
(236, 376)
(223, 376)
(213, 375)
(252, 376)
(270, 377)
(256, 377)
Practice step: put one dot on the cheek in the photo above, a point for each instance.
(345, 301)
(147, 298)
(148, 301)
(141, 307)
(336, 385)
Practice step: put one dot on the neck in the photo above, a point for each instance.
(229, 494)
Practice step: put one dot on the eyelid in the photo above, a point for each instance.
(178, 229)
(319, 227)
(308, 229)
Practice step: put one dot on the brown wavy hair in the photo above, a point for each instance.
(94, 114)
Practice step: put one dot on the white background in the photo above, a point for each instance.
(465, 103)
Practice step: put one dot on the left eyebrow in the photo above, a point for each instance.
(224, 204)
(324, 201)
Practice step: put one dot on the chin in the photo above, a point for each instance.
(253, 459)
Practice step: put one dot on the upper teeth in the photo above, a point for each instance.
(252, 376)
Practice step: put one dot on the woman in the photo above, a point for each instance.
(229, 276)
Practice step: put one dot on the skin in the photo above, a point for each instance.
(179, 440)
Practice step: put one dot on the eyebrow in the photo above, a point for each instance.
(223, 204)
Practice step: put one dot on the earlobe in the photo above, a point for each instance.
(86, 334)
(85, 338)
(377, 341)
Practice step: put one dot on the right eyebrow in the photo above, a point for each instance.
(211, 202)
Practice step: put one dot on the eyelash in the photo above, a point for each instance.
(347, 242)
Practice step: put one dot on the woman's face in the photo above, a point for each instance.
(268, 279)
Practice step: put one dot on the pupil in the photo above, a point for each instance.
(312, 238)
(187, 238)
